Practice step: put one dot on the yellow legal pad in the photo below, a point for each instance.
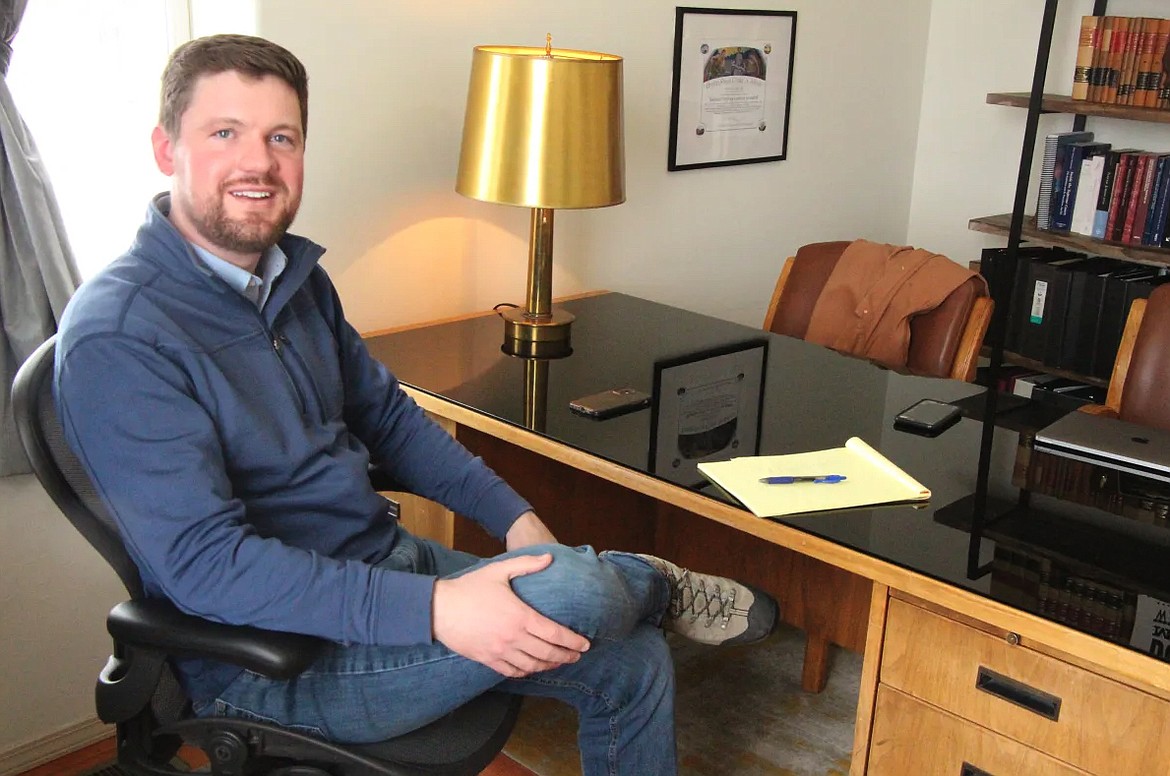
(871, 478)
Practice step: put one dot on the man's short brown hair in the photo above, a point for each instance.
(250, 56)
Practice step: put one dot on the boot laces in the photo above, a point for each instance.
(692, 599)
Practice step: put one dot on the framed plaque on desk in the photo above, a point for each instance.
(706, 407)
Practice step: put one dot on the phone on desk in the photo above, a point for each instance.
(927, 417)
(611, 403)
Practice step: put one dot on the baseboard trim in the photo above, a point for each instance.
(63, 742)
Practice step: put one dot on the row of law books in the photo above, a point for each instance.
(1119, 195)
(1068, 309)
(1123, 60)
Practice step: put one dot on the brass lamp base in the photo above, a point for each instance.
(537, 336)
(522, 325)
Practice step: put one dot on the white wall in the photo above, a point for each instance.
(889, 138)
(388, 86)
(54, 593)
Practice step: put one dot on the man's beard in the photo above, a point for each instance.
(240, 236)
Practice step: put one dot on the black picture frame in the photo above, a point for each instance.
(706, 406)
(732, 89)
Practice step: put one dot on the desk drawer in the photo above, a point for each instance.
(912, 737)
(1092, 722)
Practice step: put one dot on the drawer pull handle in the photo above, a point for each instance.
(971, 770)
(1036, 701)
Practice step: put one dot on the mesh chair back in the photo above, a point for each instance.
(68, 484)
(57, 468)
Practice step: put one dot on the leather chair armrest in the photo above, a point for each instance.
(155, 624)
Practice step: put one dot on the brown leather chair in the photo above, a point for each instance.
(1139, 388)
(944, 342)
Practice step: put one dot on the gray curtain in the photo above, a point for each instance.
(37, 270)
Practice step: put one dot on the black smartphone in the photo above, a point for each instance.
(611, 403)
(927, 417)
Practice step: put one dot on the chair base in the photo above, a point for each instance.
(462, 743)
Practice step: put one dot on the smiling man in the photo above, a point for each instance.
(237, 171)
(227, 414)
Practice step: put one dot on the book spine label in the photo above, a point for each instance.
(1039, 296)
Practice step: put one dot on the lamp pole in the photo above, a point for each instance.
(538, 299)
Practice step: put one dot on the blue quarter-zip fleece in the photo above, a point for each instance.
(231, 447)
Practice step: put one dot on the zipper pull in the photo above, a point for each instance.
(276, 344)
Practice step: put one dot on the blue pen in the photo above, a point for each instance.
(788, 479)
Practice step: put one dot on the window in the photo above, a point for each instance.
(85, 77)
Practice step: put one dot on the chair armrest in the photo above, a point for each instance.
(1098, 409)
(383, 482)
(159, 625)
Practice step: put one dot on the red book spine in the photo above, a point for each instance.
(1135, 195)
(1142, 211)
(1124, 164)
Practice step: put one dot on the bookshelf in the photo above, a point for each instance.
(1036, 102)
(1062, 103)
(1001, 225)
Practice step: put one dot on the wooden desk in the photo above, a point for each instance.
(925, 638)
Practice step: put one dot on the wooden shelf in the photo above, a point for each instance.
(1015, 359)
(1062, 103)
(1001, 224)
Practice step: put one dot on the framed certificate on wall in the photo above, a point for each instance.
(732, 87)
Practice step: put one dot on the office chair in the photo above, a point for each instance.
(944, 342)
(137, 692)
(1141, 371)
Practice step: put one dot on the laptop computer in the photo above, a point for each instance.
(1116, 444)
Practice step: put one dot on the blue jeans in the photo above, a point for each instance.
(622, 687)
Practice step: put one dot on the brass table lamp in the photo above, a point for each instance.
(543, 130)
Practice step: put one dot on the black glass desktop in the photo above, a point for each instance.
(806, 398)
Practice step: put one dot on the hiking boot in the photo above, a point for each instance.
(714, 610)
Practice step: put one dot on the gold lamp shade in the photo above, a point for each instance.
(543, 130)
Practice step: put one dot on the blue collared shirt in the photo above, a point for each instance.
(254, 288)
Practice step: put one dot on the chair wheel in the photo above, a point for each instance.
(227, 752)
